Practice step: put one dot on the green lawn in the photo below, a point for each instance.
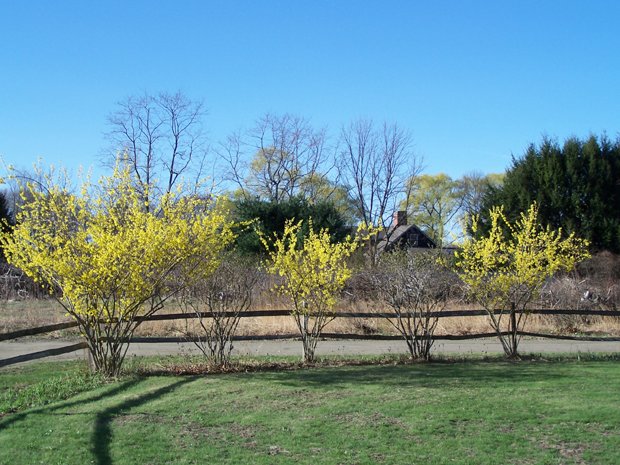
(455, 413)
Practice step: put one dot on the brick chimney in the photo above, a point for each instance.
(399, 219)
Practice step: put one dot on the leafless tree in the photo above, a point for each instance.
(277, 159)
(375, 163)
(415, 286)
(474, 187)
(161, 138)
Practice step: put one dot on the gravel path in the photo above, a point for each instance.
(346, 347)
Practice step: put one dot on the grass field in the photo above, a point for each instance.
(467, 412)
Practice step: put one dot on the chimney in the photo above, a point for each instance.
(399, 219)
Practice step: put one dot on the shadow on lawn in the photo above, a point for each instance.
(102, 434)
(431, 375)
(123, 386)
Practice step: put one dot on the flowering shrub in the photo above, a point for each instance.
(505, 270)
(112, 258)
(313, 272)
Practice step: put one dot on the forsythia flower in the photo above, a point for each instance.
(110, 258)
(502, 270)
(506, 269)
(313, 272)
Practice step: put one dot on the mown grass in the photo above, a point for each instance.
(530, 412)
(37, 384)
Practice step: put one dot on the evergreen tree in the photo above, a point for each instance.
(576, 187)
(270, 217)
(6, 219)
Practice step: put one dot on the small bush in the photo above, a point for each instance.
(603, 268)
(226, 295)
(570, 292)
(415, 287)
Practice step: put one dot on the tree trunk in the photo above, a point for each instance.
(514, 341)
(308, 341)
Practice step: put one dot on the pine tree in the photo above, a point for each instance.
(577, 188)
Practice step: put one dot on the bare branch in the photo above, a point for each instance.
(375, 164)
(161, 138)
(279, 158)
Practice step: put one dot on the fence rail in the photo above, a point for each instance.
(37, 330)
(375, 337)
(371, 314)
(42, 354)
(265, 313)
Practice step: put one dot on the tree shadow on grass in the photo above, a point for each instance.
(102, 434)
(427, 375)
(109, 392)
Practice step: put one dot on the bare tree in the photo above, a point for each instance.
(161, 138)
(277, 159)
(375, 163)
(416, 287)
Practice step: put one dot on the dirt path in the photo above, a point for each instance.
(344, 347)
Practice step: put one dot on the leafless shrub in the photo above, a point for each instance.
(415, 286)
(225, 295)
(361, 286)
(602, 268)
(15, 285)
(572, 292)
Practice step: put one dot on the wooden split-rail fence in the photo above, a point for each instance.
(266, 313)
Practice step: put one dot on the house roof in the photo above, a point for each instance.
(399, 236)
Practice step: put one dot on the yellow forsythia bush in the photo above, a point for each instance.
(314, 271)
(505, 269)
(111, 257)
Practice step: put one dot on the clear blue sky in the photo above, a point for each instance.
(474, 81)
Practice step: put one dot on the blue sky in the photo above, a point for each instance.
(473, 81)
